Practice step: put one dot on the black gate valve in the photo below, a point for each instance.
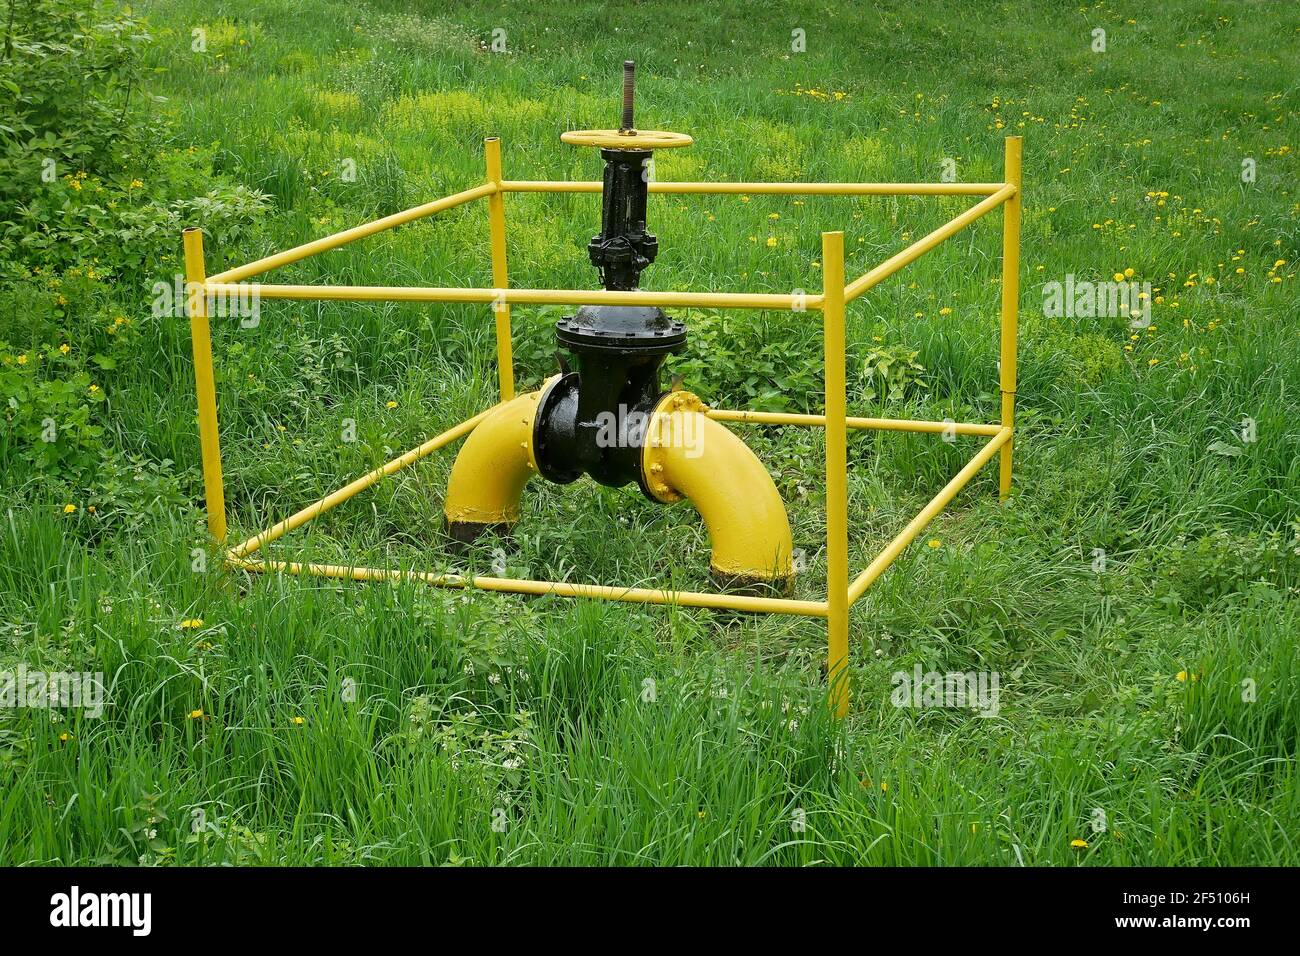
(623, 248)
(607, 416)
(593, 420)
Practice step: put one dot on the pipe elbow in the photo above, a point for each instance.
(491, 470)
(688, 455)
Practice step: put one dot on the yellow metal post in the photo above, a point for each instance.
(837, 503)
(1010, 306)
(497, 224)
(204, 386)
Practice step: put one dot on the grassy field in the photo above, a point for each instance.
(1137, 595)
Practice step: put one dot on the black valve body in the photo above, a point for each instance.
(593, 420)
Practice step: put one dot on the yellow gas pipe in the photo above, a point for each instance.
(492, 468)
(689, 455)
(685, 455)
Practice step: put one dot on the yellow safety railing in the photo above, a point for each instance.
(841, 593)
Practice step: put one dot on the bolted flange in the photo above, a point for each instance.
(665, 427)
(621, 330)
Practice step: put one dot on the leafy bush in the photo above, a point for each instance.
(50, 416)
(93, 211)
(73, 68)
(1196, 572)
(892, 373)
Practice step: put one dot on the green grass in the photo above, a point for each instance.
(615, 734)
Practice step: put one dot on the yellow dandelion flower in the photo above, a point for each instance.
(69, 509)
(1181, 676)
(196, 714)
(1079, 844)
(390, 404)
(191, 623)
(934, 543)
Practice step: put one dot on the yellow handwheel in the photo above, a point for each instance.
(629, 139)
(626, 136)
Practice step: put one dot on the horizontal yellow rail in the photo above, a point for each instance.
(379, 293)
(336, 498)
(924, 245)
(732, 602)
(768, 189)
(926, 515)
(338, 239)
(327, 243)
(819, 421)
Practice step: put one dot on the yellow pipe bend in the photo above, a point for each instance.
(688, 455)
(492, 468)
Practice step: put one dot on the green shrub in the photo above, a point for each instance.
(73, 68)
(1196, 572)
(891, 373)
(93, 211)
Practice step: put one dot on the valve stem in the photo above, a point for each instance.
(629, 92)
